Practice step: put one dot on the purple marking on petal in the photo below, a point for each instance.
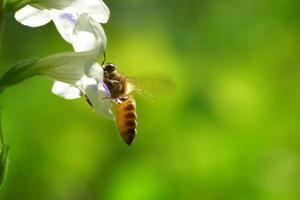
(106, 90)
(69, 17)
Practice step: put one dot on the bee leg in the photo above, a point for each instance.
(118, 100)
(112, 100)
(107, 98)
(122, 99)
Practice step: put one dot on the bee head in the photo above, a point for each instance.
(109, 68)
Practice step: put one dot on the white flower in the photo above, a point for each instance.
(77, 74)
(88, 35)
(89, 85)
(64, 15)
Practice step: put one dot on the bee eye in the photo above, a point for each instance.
(110, 68)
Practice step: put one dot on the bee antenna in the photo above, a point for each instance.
(104, 58)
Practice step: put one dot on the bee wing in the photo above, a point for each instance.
(150, 87)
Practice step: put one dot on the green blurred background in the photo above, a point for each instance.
(229, 129)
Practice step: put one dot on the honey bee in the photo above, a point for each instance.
(120, 87)
(118, 90)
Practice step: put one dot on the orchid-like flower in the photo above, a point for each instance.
(76, 74)
(64, 14)
(84, 77)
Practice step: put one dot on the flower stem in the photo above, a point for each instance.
(4, 150)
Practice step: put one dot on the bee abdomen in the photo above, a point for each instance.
(126, 119)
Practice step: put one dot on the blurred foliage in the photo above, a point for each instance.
(228, 130)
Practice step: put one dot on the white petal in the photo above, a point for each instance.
(65, 90)
(95, 71)
(65, 22)
(100, 105)
(85, 82)
(101, 37)
(66, 67)
(94, 8)
(32, 17)
(96, 95)
(88, 35)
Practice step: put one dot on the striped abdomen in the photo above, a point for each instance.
(126, 119)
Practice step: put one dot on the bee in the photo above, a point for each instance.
(120, 88)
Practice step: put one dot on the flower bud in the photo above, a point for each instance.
(18, 73)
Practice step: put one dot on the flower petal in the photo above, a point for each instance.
(86, 81)
(32, 17)
(100, 105)
(65, 22)
(65, 90)
(88, 35)
(96, 94)
(66, 67)
(101, 37)
(95, 71)
(95, 8)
